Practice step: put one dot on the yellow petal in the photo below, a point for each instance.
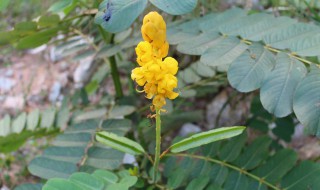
(171, 95)
(159, 101)
(171, 64)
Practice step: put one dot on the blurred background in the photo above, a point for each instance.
(41, 77)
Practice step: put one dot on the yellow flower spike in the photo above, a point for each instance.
(159, 101)
(144, 53)
(154, 29)
(154, 74)
(156, 19)
(171, 65)
(163, 51)
(171, 95)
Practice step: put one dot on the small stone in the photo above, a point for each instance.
(129, 159)
(55, 92)
(14, 102)
(4, 188)
(37, 49)
(189, 128)
(9, 73)
(82, 73)
(6, 84)
(63, 66)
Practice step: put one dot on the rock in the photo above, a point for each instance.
(9, 73)
(36, 99)
(63, 66)
(55, 92)
(4, 188)
(82, 72)
(189, 128)
(55, 55)
(129, 159)
(63, 78)
(6, 84)
(14, 102)
(299, 132)
(37, 49)
(230, 115)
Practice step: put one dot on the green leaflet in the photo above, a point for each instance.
(26, 28)
(278, 88)
(47, 168)
(68, 150)
(189, 76)
(296, 38)
(254, 154)
(306, 101)
(46, 21)
(257, 31)
(19, 123)
(205, 138)
(29, 186)
(98, 180)
(224, 52)
(175, 7)
(33, 119)
(303, 176)
(37, 39)
(255, 168)
(231, 150)
(176, 36)
(120, 13)
(203, 70)
(198, 183)
(238, 25)
(248, 71)
(120, 143)
(62, 5)
(219, 20)
(5, 125)
(47, 118)
(236, 180)
(199, 44)
(86, 180)
(277, 166)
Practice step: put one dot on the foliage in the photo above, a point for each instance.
(277, 55)
(232, 165)
(98, 180)
(35, 124)
(252, 65)
(75, 150)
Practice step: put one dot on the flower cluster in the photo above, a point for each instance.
(155, 73)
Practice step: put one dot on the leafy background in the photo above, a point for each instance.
(269, 49)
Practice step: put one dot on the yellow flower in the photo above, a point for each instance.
(154, 29)
(144, 53)
(159, 101)
(171, 65)
(155, 74)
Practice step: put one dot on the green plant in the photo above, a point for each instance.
(251, 50)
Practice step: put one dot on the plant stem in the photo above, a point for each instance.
(222, 163)
(158, 143)
(114, 69)
(115, 76)
(292, 54)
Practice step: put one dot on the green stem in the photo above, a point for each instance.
(158, 144)
(114, 69)
(116, 77)
(222, 163)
